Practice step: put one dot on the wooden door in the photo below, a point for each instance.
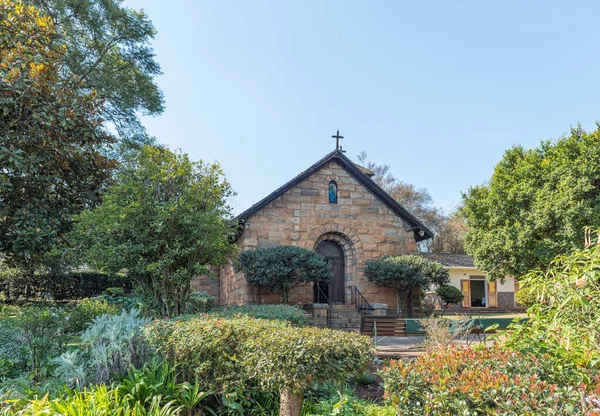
(465, 287)
(492, 295)
(335, 259)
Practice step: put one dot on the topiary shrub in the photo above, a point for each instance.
(281, 268)
(200, 302)
(464, 381)
(13, 354)
(209, 348)
(287, 313)
(403, 273)
(291, 359)
(449, 295)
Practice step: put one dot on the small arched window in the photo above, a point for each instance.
(333, 192)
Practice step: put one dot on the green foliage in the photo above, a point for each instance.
(525, 297)
(563, 321)
(346, 405)
(108, 51)
(485, 381)
(405, 272)
(449, 294)
(57, 285)
(163, 221)
(535, 206)
(293, 358)
(286, 313)
(13, 354)
(52, 140)
(83, 313)
(281, 268)
(44, 334)
(112, 344)
(208, 348)
(200, 302)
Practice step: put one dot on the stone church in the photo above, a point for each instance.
(335, 209)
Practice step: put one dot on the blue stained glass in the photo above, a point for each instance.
(332, 192)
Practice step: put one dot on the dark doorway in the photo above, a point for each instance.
(478, 293)
(335, 259)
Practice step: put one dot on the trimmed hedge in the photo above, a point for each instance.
(287, 313)
(74, 285)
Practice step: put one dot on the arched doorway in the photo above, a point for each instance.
(334, 255)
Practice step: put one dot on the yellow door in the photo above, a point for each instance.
(493, 295)
(465, 287)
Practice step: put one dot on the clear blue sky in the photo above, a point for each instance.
(438, 89)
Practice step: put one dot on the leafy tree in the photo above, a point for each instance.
(52, 143)
(535, 206)
(282, 268)
(449, 295)
(163, 221)
(407, 274)
(565, 309)
(108, 51)
(448, 229)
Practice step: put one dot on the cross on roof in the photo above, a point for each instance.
(337, 138)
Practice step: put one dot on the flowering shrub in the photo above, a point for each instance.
(292, 314)
(487, 381)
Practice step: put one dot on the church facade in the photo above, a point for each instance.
(335, 209)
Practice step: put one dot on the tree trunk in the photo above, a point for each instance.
(290, 404)
(409, 307)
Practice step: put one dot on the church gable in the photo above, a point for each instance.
(335, 177)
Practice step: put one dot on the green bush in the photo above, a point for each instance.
(82, 313)
(13, 353)
(486, 382)
(44, 334)
(279, 269)
(208, 348)
(287, 313)
(229, 355)
(291, 359)
(200, 302)
(525, 297)
(449, 295)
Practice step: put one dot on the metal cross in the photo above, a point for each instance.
(337, 138)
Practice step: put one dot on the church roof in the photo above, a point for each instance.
(336, 156)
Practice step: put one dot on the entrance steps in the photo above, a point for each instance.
(386, 326)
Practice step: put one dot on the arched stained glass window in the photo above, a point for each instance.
(333, 192)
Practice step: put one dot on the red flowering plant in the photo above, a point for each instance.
(493, 381)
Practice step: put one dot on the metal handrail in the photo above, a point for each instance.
(361, 303)
(323, 296)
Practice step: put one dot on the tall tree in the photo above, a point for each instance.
(52, 140)
(162, 222)
(419, 202)
(108, 50)
(535, 206)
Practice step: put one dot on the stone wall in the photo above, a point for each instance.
(506, 300)
(362, 225)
